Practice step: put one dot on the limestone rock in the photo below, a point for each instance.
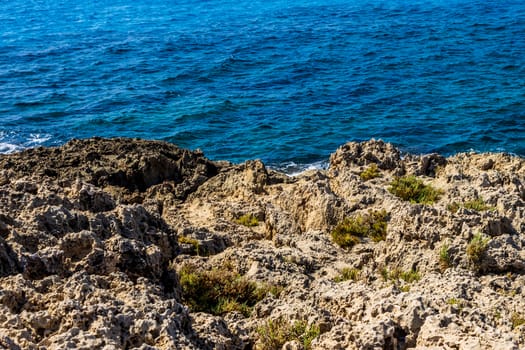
(93, 236)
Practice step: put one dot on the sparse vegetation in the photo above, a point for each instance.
(444, 257)
(517, 320)
(370, 173)
(476, 249)
(267, 288)
(345, 240)
(192, 241)
(248, 220)
(410, 188)
(405, 288)
(385, 274)
(410, 276)
(497, 314)
(350, 231)
(219, 291)
(454, 301)
(477, 204)
(459, 304)
(453, 207)
(308, 334)
(394, 275)
(275, 333)
(348, 274)
(230, 305)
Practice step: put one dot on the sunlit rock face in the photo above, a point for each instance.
(101, 239)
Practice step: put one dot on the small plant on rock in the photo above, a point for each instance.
(350, 231)
(192, 241)
(268, 288)
(370, 173)
(405, 288)
(410, 188)
(385, 274)
(218, 291)
(517, 320)
(453, 207)
(230, 305)
(248, 220)
(454, 301)
(410, 276)
(476, 249)
(444, 257)
(497, 314)
(477, 204)
(308, 334)
(275, 333)
(458, 304)
(394, 275)
(348, 274)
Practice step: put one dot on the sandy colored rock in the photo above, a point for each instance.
(94, 236)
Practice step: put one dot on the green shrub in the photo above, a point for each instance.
(192, 241)
(453, 207)
(410, 276)
(370, 173)
(248, 220)
(350, 231)
(410, 188)
(476, 249)
(444, 257)
(230, 305)
(345, 240)
(348, 274)
(265, 288)
(405, 288)
(275, 333)
(454, 301)
(497, 314)
(398, 274)
(218, 291)
(309, 334)
(517, 320)
(385, 274)
(477, 204)
(459, 304)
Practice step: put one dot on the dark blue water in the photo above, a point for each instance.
(284, 81)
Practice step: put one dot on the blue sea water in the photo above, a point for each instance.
(283, 81)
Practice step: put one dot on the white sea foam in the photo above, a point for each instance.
(294, 169)
(37, 139)
(8, 147)
(12, 142)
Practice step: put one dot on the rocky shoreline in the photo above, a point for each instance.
(132, 244)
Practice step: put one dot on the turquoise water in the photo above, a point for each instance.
(284, 81)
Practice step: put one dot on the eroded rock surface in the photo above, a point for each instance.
(94, 236)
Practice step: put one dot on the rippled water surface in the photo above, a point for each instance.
(284, 81)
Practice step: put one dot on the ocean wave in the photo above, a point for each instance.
(9, 147)
(13, 142)
(37, 139)
(294, 169)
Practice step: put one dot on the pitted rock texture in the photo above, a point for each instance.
(94, 236)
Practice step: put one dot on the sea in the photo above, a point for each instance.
(286, 82)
